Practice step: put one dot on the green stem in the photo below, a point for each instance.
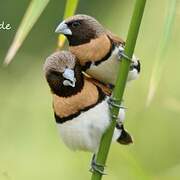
(120, 84)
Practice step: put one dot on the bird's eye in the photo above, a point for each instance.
(75, 24)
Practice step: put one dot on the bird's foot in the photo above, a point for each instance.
(134, 60)
(95, 167)
(121, 54)
(115, 103)
(135, 65)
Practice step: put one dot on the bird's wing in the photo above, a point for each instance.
(102, 86)
(117, 40)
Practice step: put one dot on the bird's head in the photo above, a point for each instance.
(63, 73)
(80, 29)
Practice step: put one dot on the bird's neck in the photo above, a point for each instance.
(93, 51)
(76, 41)
(88, 97)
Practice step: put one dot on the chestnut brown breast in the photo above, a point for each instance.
(66, 106)
(95, 50)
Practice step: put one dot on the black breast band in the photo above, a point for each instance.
(88, 63)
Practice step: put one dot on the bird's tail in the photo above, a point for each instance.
(125, 138)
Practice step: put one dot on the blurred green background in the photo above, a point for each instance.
(30, 147)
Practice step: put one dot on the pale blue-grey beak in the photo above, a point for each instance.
(70, 79)
(63, 29)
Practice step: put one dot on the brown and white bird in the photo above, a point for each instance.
(80, 104)
(97, 49)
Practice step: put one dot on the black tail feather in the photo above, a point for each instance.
(125, 138)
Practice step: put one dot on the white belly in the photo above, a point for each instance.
(106, 71)
(84, 132)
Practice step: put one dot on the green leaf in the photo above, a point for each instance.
(32, 14)
(70, 9)
(161, 52)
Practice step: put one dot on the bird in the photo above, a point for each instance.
(97, 48)
(80, 105)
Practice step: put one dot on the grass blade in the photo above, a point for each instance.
(160, 57)
(32, 14)
(70, 9)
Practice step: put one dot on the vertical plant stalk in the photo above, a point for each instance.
(120, 84)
